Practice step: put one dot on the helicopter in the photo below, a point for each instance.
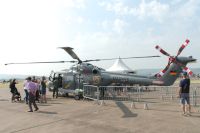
(94, 75)
(83, 72)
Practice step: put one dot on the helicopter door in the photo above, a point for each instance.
(69, 81)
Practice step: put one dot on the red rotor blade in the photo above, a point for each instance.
(161, 73)
(183, 46)
(162, 51)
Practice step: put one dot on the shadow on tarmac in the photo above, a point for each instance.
(47, 112)
(4, 100)
(164, 110)
(127, 112)
(55, 103)
(194, 115)
(43, 104)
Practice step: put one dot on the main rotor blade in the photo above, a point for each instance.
(39, 62)
(122, 58)
(162, 51)
(183, 46)
(70, 51)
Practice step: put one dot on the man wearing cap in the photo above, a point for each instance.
(31, 87)
(184, 93)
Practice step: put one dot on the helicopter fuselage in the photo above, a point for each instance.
(86, 73)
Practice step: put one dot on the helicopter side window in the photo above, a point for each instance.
(89, 64)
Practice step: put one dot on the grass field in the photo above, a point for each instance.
(6, 85)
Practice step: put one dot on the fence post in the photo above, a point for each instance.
(83, 92)
(194, 97)
(172, 97)
(162, 97)
(133, 105)
(172, 88)
(97, 94)
(146, 106)
(139, 92)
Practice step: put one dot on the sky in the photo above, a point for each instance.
(33, 30)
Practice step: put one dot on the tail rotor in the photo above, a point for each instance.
(173, 59)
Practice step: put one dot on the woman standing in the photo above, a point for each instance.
(43, 90)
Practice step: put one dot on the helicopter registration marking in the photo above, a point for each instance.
(96, 79)
(158, 82)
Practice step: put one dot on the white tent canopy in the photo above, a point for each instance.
(120, 66)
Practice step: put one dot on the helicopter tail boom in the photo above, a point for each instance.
(174, 71)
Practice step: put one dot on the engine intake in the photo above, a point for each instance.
(95, 71)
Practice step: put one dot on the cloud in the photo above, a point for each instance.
(152, 9)
(105, 24)
(182, 21)
(118, 25)
(187, 9)
(117, 6)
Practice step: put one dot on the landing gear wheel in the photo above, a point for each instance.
(66, 94)
(77, 97)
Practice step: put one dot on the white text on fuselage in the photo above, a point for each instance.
(120, 79)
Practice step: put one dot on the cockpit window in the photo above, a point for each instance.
(88, 64)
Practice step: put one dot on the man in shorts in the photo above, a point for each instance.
(184, 93)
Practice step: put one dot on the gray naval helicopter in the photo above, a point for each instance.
(94, 75)
(83, 72)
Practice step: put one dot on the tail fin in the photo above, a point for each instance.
(170, 76)
(173, 72)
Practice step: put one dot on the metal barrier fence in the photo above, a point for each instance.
(139, 93)
(91, 92)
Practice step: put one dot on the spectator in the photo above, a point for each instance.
(184, 91)
(43, 90)
(13, 89)
(37, 96)
(60, 81)
(26, 92)
(32, 88)
(55, 87)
